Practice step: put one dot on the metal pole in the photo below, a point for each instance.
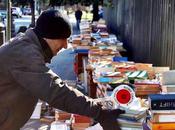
(9, 20)
(2, 34)
(32, 5)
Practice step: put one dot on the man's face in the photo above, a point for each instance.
(56, 44)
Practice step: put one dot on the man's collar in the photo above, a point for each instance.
(47, 52)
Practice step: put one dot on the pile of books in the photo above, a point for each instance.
(85, 27)
(132, 118)
(162, 112)
(145, 87)
(99, 27)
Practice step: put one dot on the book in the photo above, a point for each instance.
(95, 127)
(144, 88)
(130, 124)
(132, 116)
(61, 115)
(81, 119)
(137, 75)
(170, 89)
(168, 77)
(161, 101)
(58, 126)
(80, 126)
(164, 116)
(163, 111)
(160, 126)
(76, 40)
(145, 93)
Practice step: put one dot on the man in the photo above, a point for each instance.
(78, 15)
(24, 78)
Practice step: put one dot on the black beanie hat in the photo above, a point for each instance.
(52, 25)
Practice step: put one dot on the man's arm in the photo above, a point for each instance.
(41, 82)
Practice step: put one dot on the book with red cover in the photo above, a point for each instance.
(81, 119)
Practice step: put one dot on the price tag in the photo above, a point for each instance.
(123, 95)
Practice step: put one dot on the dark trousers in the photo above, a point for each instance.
(78, 24)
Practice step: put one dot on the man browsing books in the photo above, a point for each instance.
(24, 78)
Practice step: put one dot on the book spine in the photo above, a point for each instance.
(162, 105)
(128, 118)
(162, 111)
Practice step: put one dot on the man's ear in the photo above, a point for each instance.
(47, 40)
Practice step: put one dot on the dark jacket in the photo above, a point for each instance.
(78, 14)
(24, 79)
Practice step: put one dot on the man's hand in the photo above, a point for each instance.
(108, 119)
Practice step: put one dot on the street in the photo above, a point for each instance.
(24, 21)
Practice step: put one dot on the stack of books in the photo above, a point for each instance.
(162, 112)
(145, 87)
(132, 118)
(99, 27)
(76, 40)
(85, 28)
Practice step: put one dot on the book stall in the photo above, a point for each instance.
(151, 109)
(118, 83)
(94, 38)
(144, 91)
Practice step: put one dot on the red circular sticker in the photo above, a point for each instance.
(123, 96)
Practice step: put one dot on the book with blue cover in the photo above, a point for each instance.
(161, 101)
(81, 51)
